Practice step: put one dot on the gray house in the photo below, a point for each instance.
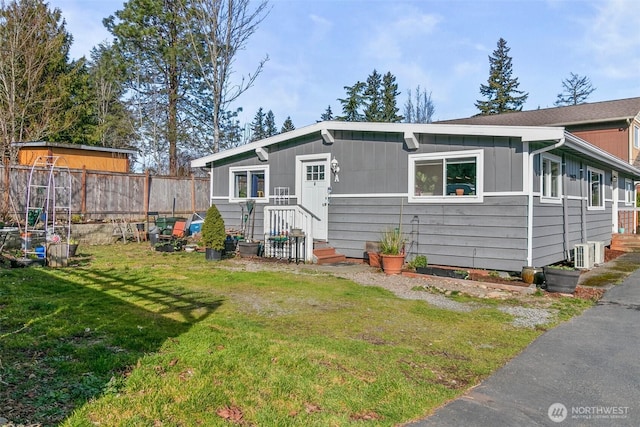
(495, 197)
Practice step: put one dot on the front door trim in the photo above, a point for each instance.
(300, 162)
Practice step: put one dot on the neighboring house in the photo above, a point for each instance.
(529, 194)
(613, 126)
(77, 156)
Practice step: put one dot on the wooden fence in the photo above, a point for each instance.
(108, 195)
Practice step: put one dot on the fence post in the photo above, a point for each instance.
(83, 192)
(146, 192)
(193, 193)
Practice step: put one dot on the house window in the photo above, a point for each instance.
(629, 193)
(551, 178)
(248, 183)
(315, 172)
(452, 176)
(636, 136)
(596, 188)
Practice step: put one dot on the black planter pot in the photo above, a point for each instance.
(73, 248)
(559, 280)
(229, 246)
(212, 254)
(442, 272)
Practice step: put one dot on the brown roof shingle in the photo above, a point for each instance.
(560, 116)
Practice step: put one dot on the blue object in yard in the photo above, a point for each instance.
(40, 252)
(195, 227)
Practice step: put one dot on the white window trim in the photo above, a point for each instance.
(550, 199)
(234, 169)
(591, 170)
(636, 136)
(629, 196)
(477, 198)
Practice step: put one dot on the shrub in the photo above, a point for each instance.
(391, 242)
(213, 231)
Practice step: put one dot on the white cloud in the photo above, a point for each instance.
(613, 36)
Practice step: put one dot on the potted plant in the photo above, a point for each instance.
(392, 251)
(419, 263)
(561, 278)
(73, 246)
(213, 234)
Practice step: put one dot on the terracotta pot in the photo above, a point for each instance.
(374, 259)
(392, 264)
(459, 191)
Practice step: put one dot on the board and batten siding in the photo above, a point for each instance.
(584, 224)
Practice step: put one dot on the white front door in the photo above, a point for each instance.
(314, 176)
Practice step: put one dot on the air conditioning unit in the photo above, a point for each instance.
(583, 256)
(598, 253)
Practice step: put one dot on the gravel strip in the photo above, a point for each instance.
(412, 288)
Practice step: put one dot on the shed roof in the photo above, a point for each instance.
(595, 112)
(44, 144)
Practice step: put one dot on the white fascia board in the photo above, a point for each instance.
(525, 133)
(252, 146)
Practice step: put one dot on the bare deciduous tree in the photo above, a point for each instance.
(33, 67)
(218, 30)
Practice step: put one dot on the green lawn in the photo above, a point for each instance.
(133, 337)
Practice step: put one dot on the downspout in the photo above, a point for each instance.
(211, 185)
(532, 156)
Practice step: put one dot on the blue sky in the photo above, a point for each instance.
(318, 47)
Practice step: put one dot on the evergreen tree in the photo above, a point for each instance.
(389, 95)
(501, 89)
(372, 98)
(287, 125)
(352, 103)
(327, 115)
(270, 128)
(151, 35)
(258, 129)
(42, 94)
(576, 90)
(114, 125)
(423, 109)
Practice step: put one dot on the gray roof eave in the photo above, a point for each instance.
(526, 133)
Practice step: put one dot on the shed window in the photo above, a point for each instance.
(452, 177)
(596, 188)
(248, 183)
(551, 176)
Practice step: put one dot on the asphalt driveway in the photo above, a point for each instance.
(585, 372)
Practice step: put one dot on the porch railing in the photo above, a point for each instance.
(628, 219)
(278, 223)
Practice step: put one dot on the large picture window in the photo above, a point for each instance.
(551, 178)
(596, 188)
(248, 183)
(453, 176)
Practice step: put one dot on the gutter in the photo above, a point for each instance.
(532, 155)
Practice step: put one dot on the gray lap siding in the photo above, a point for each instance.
(489, 235)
